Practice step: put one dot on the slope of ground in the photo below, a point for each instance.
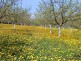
(31, 43)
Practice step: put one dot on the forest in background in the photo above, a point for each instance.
(57, 13)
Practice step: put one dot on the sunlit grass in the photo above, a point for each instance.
(33, 43)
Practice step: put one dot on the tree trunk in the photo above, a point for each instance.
(8, 22)
(50, 29)
(14, 26)
(21, 24)
(24, 24)
(71, 29)
(59, 31)
(45, 26)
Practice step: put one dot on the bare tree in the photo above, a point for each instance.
(59, 11)
(4, 6)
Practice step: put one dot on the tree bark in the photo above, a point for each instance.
(8, 22)
(45, 26)
(50, 29)
(21, 24)
(71, 29)
(14, 26)
(59, 31)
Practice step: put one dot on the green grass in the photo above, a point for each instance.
(13, 47)
(27, 44)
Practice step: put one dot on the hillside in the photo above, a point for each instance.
(32, 43)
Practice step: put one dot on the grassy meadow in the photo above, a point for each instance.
(31, 43)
